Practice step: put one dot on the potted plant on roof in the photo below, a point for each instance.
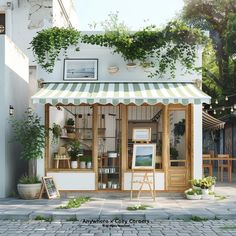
(30, 133)
(75, 151)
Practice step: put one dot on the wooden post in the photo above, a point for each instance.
(95, 143)
(46, 159)
(165, 144)
(124, 141)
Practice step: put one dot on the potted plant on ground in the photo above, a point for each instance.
(30, 133)
(196, 183)
(205, 185)
(74, 150)
(193, 194)
(70, 128)
(212, 180)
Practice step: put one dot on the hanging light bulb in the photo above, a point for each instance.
(223, 108)
(226, 98)
(220, 112)
(235, 106)
(210, 106)
(216, 102)
(214, 112)
(232, 109)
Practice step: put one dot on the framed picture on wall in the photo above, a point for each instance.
(80, 69)
(144, 156)
(141, 134)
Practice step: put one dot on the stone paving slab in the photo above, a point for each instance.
(105, 206)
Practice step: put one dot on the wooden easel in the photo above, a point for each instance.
(144, 179)
(49, 186)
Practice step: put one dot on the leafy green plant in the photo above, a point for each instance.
(70, 121)
(48, 44)
(75, 203)
(198, 218)
(193, 191)
(85, 158)
(25, 179)
(43, 218)
(138, 207)
(159, 48)
(196, 182)
(211, 179)
(56, 133)
(74, 149)
(206, 183)
(30, 133)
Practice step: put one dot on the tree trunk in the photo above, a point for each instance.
(32, 167)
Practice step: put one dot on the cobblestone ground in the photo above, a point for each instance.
(168, 227)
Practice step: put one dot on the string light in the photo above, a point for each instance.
(214, 112)
(235, 106)
(232, 109)
(216, 102)
(226, 98)
(210, 106)
(223, 108)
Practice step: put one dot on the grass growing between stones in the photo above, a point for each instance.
(220, 197)
(73, 218)
(230, 227)
(75, 203)
(46, 219)
(138, 207)
(198, 218)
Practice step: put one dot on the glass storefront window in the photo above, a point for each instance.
(177, 134)
(146, 117)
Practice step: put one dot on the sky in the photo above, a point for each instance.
(132, 12)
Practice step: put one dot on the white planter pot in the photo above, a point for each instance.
(212, 188)
(193, 197)
(82, 164)
(195, 187)
(74, 164)
(89, 165)
(29, 191)
(205, 191)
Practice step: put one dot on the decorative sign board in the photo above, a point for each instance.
(49, 185)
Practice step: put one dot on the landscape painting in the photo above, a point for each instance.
(80, 69)
(144, 156)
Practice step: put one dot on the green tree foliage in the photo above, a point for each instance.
(219, 18)
(30, 133)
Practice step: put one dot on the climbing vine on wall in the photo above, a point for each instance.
(49, 43)
(159, 49)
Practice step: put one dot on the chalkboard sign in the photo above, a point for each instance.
(50, 187)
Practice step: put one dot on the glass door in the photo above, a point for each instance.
(179, 149)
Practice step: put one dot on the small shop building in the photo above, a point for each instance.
(107, 106)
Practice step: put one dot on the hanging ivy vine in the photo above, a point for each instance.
(159, 49)
(49, 43)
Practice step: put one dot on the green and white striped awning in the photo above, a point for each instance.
(120, 92)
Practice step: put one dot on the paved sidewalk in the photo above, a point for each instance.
(113, 206)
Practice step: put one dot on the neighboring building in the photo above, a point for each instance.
(19, 22)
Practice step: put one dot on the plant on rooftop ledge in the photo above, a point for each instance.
(48, 44)
(158, 48)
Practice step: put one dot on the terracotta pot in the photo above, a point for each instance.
(29, 191)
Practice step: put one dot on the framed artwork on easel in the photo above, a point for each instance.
(144, 156)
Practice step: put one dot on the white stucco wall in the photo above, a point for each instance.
(74, 181)
(197, 142)
(13, 91)
(106, 58)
